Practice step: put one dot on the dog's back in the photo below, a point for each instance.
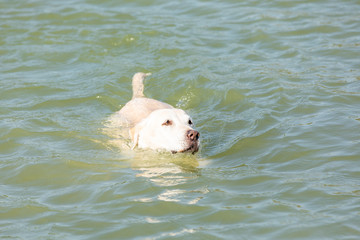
(140, 107)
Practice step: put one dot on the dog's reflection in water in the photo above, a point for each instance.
(172, 176)
(161, 166)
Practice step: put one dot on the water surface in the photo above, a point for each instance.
(272, 86)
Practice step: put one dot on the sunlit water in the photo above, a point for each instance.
(273, 88)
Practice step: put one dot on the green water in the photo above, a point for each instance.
(272, 86)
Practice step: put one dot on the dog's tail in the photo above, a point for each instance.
(138, 84)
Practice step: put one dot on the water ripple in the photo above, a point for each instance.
(273, 87)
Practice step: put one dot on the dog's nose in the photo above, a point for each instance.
(193, 135)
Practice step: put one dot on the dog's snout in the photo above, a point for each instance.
(193, 135)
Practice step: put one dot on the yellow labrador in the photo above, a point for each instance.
(157, 125)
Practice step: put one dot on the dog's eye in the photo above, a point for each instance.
(190, 122)
(167, 123)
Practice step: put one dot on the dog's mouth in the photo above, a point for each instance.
(193, 148)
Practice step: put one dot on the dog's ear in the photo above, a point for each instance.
(135, 134)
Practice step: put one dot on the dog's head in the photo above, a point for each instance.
(168, 129)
